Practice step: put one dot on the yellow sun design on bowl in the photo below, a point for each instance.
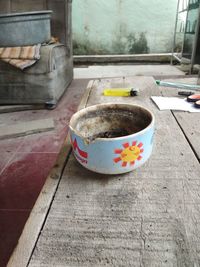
(129, 153)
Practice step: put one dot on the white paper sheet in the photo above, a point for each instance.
(174, 103)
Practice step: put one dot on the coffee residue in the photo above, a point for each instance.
(110, 134)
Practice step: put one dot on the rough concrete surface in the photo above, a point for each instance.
(148, 217)
(92, 72)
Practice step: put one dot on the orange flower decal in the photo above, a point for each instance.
(129, 154)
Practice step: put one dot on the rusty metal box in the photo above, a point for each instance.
(26, 28)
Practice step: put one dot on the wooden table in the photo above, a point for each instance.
(148, 217)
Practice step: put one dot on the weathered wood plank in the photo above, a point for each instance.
(28, 5)
(26, 128)
(5, 6)
(58, 27)
(148, 217)
(31, 231)
(189, 122)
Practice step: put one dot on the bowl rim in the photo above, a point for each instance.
(93, 107)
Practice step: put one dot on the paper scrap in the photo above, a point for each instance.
(174, 103)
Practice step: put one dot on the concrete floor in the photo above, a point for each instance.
(25, 162)
(105, 71)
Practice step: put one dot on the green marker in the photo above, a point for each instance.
(178, 85)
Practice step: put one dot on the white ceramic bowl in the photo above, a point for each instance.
(112, 138)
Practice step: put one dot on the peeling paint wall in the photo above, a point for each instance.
(123, 26)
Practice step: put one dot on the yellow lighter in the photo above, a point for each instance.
(120, 92)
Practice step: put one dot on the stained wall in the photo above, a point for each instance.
(123, 26)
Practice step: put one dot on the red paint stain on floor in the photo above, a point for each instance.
(25, 163)
(22, 180)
